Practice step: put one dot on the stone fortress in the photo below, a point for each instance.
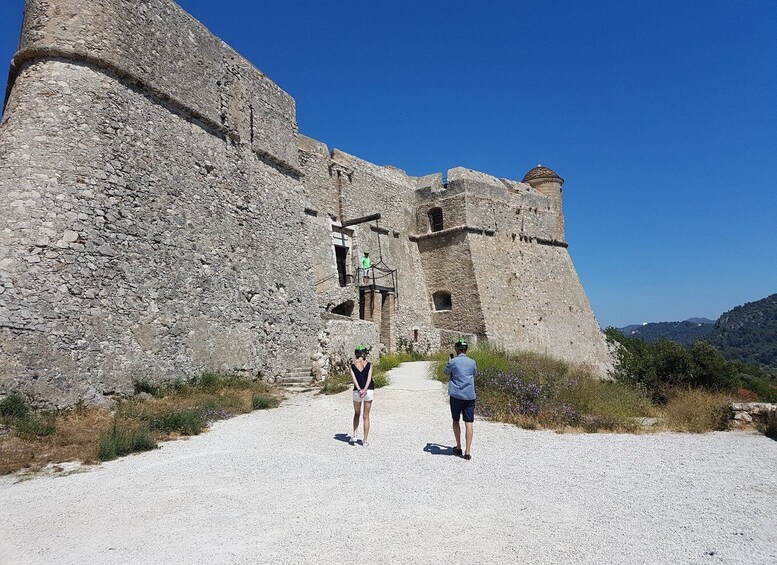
(161, 216)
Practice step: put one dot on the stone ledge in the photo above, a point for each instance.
(747, 412)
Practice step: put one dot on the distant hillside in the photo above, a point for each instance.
(682, 332)
(748, 333)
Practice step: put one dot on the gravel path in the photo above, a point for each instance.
(283, 486)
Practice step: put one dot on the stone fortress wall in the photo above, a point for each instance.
(161, 216)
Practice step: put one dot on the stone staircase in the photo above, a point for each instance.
(299, 379)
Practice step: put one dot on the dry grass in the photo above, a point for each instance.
(698, 411)
(76, 438)
(90, 435)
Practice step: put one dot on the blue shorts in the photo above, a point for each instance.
(465, 407)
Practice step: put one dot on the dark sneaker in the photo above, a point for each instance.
(468, 457)
(457, 451)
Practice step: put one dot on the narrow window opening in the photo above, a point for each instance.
(341, 255)
(415, 336)
(435, 219)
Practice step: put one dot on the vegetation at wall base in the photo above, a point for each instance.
(32, 439)
(123, 439)
(539, 392)
(17, 415)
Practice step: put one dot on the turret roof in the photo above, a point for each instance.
(540, 172)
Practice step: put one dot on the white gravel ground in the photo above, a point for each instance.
(282, 486)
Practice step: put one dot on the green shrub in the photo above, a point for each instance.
(185, 422)
(209, 381)
(766, 391)
(14, 407)
(710, 369)
(533, 390)
(380, 378)
(665, 365)
(122, 440)
(263, 402)
(16, 412)
(336, 383)
(147, 387)
(36, 424)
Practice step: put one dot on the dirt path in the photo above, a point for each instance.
(283, 486)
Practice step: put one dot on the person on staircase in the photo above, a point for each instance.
(363, 387)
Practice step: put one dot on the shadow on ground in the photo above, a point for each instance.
(437, 449)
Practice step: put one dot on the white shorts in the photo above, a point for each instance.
(367, 397)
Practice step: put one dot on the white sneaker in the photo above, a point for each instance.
(365, 444)
(352, 441)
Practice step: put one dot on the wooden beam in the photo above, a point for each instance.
(361, 220)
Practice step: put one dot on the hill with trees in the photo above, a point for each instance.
(748, 333)
(685, 332)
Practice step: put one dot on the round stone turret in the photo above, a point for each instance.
(547, 182)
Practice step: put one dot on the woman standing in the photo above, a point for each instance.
(363, 386)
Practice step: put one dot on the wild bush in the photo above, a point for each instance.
(189, 422)
(263, 402)
(146, 386)
(123, 439)
(698, 411)
(36, 424)
(664, 365)
(533, 390)
(14, 407)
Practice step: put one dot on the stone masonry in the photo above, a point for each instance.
(161, 216)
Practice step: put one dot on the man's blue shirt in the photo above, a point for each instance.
(461, 372)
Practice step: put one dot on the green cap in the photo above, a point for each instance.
(461, 342)
(361, 348)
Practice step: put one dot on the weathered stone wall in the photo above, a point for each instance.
(534, 301)
(137, 241)
(339, 338)
(160, 48)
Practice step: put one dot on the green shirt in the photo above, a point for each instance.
(366, 263)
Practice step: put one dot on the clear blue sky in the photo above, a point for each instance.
(660, 115)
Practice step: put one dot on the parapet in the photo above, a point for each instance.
(393, 175)
(157, 47)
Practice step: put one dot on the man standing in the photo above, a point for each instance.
(461, 371)
(366, 265)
